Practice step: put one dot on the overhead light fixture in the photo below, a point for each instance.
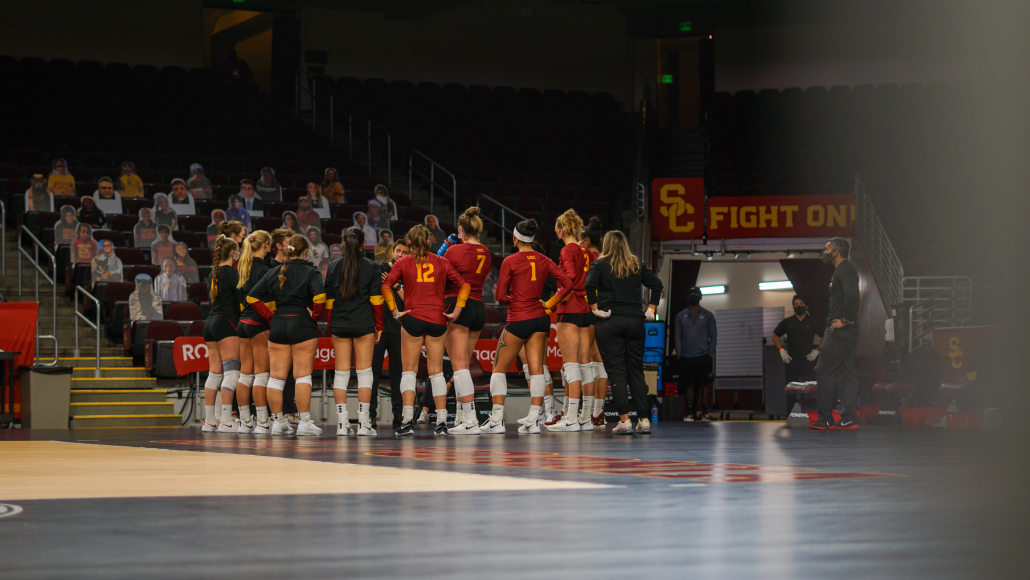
(709, 257)
(708, 290)
(791, 255)
(781, 285)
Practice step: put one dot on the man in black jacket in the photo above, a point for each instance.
(835, 369)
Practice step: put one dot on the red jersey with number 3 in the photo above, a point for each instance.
(473, 262)
(575, 261)
(425, 285)
(522, 281)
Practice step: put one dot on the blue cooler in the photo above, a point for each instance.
(654, 342)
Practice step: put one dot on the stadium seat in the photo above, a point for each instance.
(183, 311)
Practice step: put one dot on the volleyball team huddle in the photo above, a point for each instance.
(264, 312)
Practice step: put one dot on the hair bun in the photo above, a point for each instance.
(595, 223)
(472, 211)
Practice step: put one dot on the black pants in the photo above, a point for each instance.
(695, 376)
(620, 339)
(835, 371)
(388, 343)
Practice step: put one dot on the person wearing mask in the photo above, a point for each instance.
(298, 294)
(835, 369)
(60, 183)
(234, 230)
(107, 266)
(198, 185)
(186, 265)
(251, 200)
(144, 303)
(84, 248)
(107, 199)
(267, 187)
(129, 184)
(613, 292)
(801, 328)
(436, 235)
(37, 196)
(426, 278)
(222, 338)
(520, 285)
(355, 303)
(253, 334)
(163, 212)
(90, 214)
(181, 199)
(145, 231)
(163, 247)
(387, 204)
(390, 341)
(169, 284)
(331, 187)
(696, 334)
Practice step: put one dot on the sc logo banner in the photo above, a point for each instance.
(677, 208)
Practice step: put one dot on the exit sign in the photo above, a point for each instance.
(667, 79)
(685, 26)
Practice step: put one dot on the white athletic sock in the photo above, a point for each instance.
(598, 405)
(305, 416)
(459, 414)
(573, 409)
(497, 414)
(548, 404)
(278, 418)
(227, 414)
(469, 410)
(534, 414)
(588, 407)
(342, 418)
(363, 412)
(262, 414)
(407, 413)
(565, 405)
(209, 415)
(441, 416)
(245, 413)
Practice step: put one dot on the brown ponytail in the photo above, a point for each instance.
(231, 228)
(298, 245)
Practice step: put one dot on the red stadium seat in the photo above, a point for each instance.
(130, 256)
(183, 311)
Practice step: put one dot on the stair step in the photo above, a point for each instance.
(125, 372)
(114, 383)
(122, 408)
(105, 361)
(118, 395)
(109, 421)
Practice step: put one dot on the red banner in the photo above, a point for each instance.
(781, 216)
(189, 353)
(19, 335)
(677, 208)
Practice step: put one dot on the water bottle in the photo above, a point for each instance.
(654, 413)
(450, 241)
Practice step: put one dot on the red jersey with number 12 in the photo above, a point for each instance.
(522, 281)
(425, 285)
(473, 262)
(575, 261)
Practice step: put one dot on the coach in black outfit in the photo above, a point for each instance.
(801, 328)
(390, 342)
(835, 370)
(613, 292)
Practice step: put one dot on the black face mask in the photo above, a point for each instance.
(827, 258)
(693, 300)
(799, 310)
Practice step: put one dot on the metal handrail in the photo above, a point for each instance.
(886, 265)
(370, 130)
(433, 165)
(78, 315)
(947, 308)
(504, 210)
(37, 246)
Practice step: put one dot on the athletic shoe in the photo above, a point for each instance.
(292, 418)
(208, 427)
(570, 425)
(366, 430)
(423, 418)
(529, 428)
(550, 417)
(265, 429)
(598, 420)
(230, 427)
(281, 428)
(689, 419)
(309, 429)
(644, 427)
(440, 429)
(623, 428)
(246, 428)
(846, 425)
(555, 419)
(406, 428)
(490, 428)
(585, 425)
(465, 429)
(820, 426)
(345, 432)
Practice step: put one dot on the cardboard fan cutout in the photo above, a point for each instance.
(307, 216)
(187, 265)
(319, 251)
(436, 236)
(198, 185)
(236, 212)
(217, 217)
(106, 265)
(107, 197)
(361, 221)
(290, 222)
(169, 284)
(90, 214)
(37, 197)
(129, 185)
(145, 232)
(163, 247)
(66, 229)
(181, 199)
(267, 187)
(252, 202)
(84, 247)
(60, 182)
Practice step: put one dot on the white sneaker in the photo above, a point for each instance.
(423, 418)
(366, 430)
(246, 428)
(490, 428)
(230, 427)
(522, 421)
(465, 429)
(308, 429)
(644, 427)
(623, 428)
(209, 427)
(281, 428)
(347, 430)
(529, 428)
(586, 424)
(549, 417)
(566, 425)
(263, 429)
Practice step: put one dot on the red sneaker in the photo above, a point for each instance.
(598, 419)
(821, 426)
(556, 419)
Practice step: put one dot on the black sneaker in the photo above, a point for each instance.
(820, 426)
(846, 425)
(441, 429)
(406, 428)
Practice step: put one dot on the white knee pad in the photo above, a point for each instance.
(439, 385)
(276, 384)
(341, 379)
(408, 382)
(537, 385)
(463, 385)
(229, 380)
(261, 380)
(599, 372)
(498, 384)
(213, 381)
(246, 380)
(572, 373)
(365, 377)
(587, 372)
(305, 380)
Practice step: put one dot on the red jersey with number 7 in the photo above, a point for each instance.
(473, 262)
(425, 285)
(522, 281)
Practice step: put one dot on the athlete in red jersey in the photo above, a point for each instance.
(522, 279)
(425, 276)
(473, 261)
(591, 239)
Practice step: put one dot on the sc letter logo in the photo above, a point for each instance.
(675, 206)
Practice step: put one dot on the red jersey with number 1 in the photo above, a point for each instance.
(425, 285)
(575, 261)
(522, 281)
(473, 262)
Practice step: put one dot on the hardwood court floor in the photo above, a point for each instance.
(718, 500)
